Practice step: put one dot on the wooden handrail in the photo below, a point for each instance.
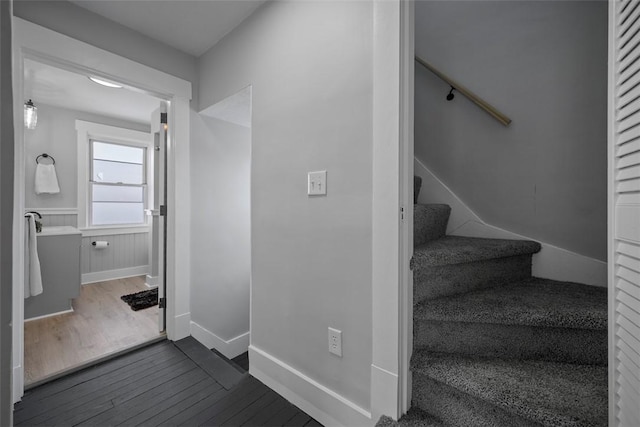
(466, 92)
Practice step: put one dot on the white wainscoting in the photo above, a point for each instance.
(54, 217)
(127, 255)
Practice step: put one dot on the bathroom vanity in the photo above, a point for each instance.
(59, 253)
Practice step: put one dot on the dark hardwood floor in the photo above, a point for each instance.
(242, 361)
(169, 384)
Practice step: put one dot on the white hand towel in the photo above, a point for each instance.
(32, 274)
(46, 179)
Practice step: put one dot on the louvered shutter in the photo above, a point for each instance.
(624, 212)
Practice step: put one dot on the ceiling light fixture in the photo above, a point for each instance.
(105, 82)
(30, 115)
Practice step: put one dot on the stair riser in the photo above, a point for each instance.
(429, 222)
(566, 345)
(440, 281)
(456, 408)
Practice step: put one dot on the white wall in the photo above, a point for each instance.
(544, 65)
(220, 229)
(6, 213)
(310, 66)
(55, 134)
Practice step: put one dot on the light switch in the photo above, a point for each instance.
(317, 183)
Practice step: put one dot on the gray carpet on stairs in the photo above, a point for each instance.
(437, 281)
(495, 347)
(413, 418)
(551, 394)
(457, 249)
(532, 302)
(513, 341)
(429, 222)
(532, 319)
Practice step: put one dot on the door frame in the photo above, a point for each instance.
(392, 207)
(33, 41)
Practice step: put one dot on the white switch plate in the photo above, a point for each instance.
(335, 342)
(317, 183)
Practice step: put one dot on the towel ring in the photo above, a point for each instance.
(46, 156)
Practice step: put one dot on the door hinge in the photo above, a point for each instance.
(163, 118)
(162, 303)
(163, 210)
(402, 213)
(411, 264)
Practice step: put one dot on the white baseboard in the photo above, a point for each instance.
(121, 273)
(182, 326)
(18, 383)
(384, 393)
(49, 315)
(551, 263)
(230, 348)
(151, 281)
(328, 407)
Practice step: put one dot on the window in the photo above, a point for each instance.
(118, 185)
(115, 176)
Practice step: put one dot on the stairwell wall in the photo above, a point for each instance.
(310, 67)
(544, 65)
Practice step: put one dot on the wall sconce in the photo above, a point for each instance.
(30, 115)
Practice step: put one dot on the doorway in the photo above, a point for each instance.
(100, 236)
(34, 42)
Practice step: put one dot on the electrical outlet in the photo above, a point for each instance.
(335, 342)
(317, 183)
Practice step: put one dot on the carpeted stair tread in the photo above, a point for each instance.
(429, 222)
(413, 418)
(531, 302)
(551, 394)
(456, 250)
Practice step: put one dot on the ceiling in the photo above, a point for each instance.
(187, 25)
(46, 84)
(192, 26)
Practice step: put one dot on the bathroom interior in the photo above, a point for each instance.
(93, 182)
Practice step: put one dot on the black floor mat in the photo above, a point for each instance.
(141, 300)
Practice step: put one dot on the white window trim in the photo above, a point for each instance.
(89, 131)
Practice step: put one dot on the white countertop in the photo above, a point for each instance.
(58, 230)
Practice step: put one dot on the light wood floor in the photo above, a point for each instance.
(101, 324)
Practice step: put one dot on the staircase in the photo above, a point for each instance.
(494, 346)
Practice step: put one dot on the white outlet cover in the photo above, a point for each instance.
(317, 183)
(335, 342)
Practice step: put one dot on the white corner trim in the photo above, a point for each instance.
(230, 348)
(121, 273)
(551, 262)
(49, 315)
(182, 323)
(328, 407)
